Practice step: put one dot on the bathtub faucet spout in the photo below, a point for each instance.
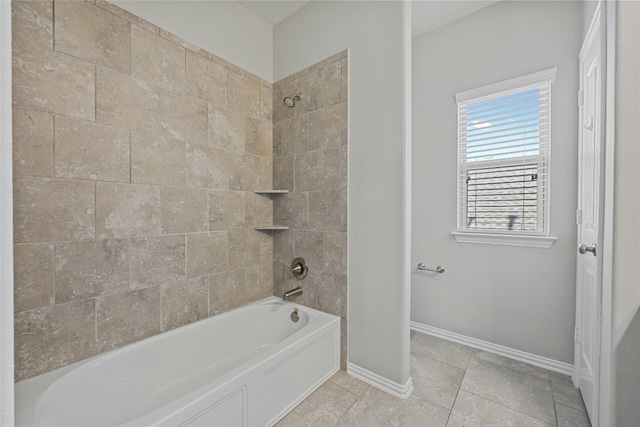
(294, 291)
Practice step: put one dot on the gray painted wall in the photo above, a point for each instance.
(626, 217)
(523, 298)
(372, 31)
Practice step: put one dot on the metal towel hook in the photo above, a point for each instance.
(438, 269)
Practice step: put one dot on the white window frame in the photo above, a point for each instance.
(538, 240)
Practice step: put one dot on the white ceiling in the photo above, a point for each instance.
(427, 15)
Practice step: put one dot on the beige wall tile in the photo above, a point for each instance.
(325, 127)
(127, 210)
(206, 80)
(281, 279)
(258, 210)
(32, 142)
(266, 103)
(244, 248)
(280, 111)
(259, 136)
(309, 170)
(183, 210)
(243, 95)
(157, 60)
(157, 160)
(65, 210)
(310, 286)
(184, 118)
(333, 168)
(344, 134)
(333, 83)
(88, 32)
(266, 248)
(312, 162)
(332, 294)
(292, 210)
(205, 131)
(116, 10)
(207, 167)
(345, 79)
(259, 282)
(227, 129)
(227, 291)
(207, 253)
(345, 253)
(244, 172)
(35, 68)
(265, 178)
(33, 21)
(311, 86)
(126, 102)
(332, 252)
(344, 166)
(86, 150)
(309, 245)
(226, 210)
(157, 260)
(283, 173)
(91, 268)
(284, 247)
(126, 318)
(33, 276)
(182, 42)
(328, 210)
(184, 302)
(291, 136)
(343, 344)
(50, 337)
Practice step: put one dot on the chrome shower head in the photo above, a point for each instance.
(290, 101)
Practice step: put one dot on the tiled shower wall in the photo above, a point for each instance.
(310, 160)
(136, 155)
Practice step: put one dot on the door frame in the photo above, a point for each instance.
(606, 13)
(606, 413)
(6, 222)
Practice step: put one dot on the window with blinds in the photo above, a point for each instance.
(503, 156)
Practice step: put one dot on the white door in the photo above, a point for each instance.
(589, 280)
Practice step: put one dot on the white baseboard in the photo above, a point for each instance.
(540, 361)
(399, 390)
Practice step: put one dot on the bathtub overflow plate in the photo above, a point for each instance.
(294, 316)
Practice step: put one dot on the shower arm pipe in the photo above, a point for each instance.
(290, 101)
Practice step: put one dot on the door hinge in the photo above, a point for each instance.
(580, 98)
(579, 216)
(578, 338)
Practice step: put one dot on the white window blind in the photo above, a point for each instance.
(503, 156)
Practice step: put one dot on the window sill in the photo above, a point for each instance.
(505, 239)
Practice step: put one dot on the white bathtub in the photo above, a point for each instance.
(246, 367)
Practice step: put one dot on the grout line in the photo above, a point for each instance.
(95, 93)
(352, 405)
(53, 25)
(95, 323)
(505, 406)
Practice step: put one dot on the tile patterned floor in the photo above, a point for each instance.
(454, 386)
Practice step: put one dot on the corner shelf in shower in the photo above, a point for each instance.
(271, 227)
(271, 192)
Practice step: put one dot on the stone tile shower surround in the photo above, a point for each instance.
(136, 155)
(310, 147)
